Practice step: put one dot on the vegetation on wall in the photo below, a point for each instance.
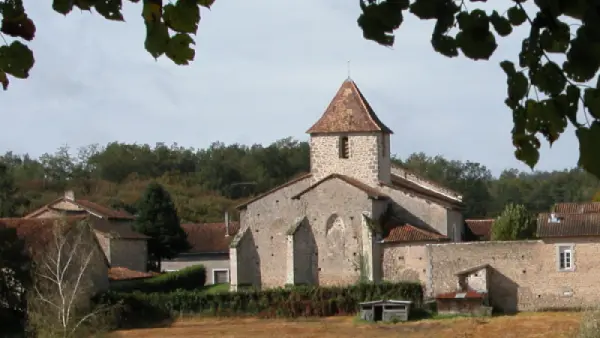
(203, 183)
(514, 223)
(291, 302)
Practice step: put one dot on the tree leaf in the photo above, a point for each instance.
(157, 38)
(508, 67)
(527, 150)
(62, 6)
(16, 59)
(517, 86)
(183, 17)
(589, 139)
(110, 9)
(516, 15)
(3, 80)
(557, 39)
(179, 49)
(15, 21)
(550, 79)
(152, 11)
(501, 24)
(445, 45)
(591, 100)
(424, 9)
(206, 3)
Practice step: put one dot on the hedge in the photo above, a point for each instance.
(291, 302)
(190, 278)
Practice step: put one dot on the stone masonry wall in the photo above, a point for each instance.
(268, 220)
(131, 254)
(364, 162)
(523, 274)
(334, 211)
(404, 262)
(420, 211)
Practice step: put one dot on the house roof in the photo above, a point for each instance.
(402, 183)
(349, 111)
(209, 237)
(402, 173)
(481, 228)
(577, 208)
(38, 232)
(397, 231)
(373, 193)
(120, 273)
(294, 180)
(93, 207)
(568, 225)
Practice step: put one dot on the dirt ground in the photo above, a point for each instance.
(549, 325)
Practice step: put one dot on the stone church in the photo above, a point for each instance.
(355, 216)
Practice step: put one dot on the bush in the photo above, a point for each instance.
(283, 302)
(190, 278)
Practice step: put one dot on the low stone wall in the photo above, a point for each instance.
(524, 274)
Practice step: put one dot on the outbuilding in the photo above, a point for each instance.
(385, 310)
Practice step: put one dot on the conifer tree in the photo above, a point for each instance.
(157, 218)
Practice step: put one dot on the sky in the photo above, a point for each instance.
(264, 70)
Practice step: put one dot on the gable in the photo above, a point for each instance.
(404, 178)
(76, 207)
(371, 192)
(295, 181)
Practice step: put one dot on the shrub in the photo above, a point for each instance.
(282, 302)
(190, 278)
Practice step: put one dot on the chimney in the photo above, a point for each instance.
(226, 223)
(69, 195)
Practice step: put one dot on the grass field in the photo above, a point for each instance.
(548, 325)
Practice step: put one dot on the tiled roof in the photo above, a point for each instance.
(286, 184)
(410, 233)
(349, 111)
(482, 228)
(370, 191)
(38, 232)
(577, 208)
(568, 225)
(104, 210)
(116, 230)
(101, 210)
(209, 237)
(405, 184)
(470, 294)
(120, 273)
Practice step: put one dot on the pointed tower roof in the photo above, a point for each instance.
(349, 111)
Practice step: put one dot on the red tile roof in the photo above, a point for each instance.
(209, 237)
(120, 273)
(402, 183)
(482, 228)
(38, 232)
(299, 178)
(411, 233)
(568, 225)
(470, 294)
(577, 208)
(96, 208)
(349, 111)
(370, 191)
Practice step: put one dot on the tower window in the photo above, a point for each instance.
(344, 147)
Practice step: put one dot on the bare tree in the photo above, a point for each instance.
(63, 284)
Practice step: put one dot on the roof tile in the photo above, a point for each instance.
(568, 225)
(481, 228)
(411, 233)
(209, 237)
(120, 273)
(370, 191)
(349, 111)
(577, 208)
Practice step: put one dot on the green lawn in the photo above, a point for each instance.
(215, 288)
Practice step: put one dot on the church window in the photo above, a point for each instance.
(344, 147)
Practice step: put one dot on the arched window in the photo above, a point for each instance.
(344, 147)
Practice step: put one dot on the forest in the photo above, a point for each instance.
(205, 182)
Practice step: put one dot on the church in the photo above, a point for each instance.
(354, 217)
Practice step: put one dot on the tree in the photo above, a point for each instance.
(514, 223)
(14, 277)
(8, 192)
(157, 218)
(60, 304)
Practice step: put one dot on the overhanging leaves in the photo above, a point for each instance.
(179, 50)
(16, 59)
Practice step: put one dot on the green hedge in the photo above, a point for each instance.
(140, 307)
(190, 278)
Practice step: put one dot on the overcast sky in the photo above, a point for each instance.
(264, 70)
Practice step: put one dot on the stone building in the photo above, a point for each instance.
(122, 246)
(354, 216)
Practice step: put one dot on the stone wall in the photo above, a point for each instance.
(129, 253)
(523, 274)
(404, 262)
(367, 161)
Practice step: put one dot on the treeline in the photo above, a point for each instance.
(205, 182)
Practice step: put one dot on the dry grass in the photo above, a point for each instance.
(548, 325)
